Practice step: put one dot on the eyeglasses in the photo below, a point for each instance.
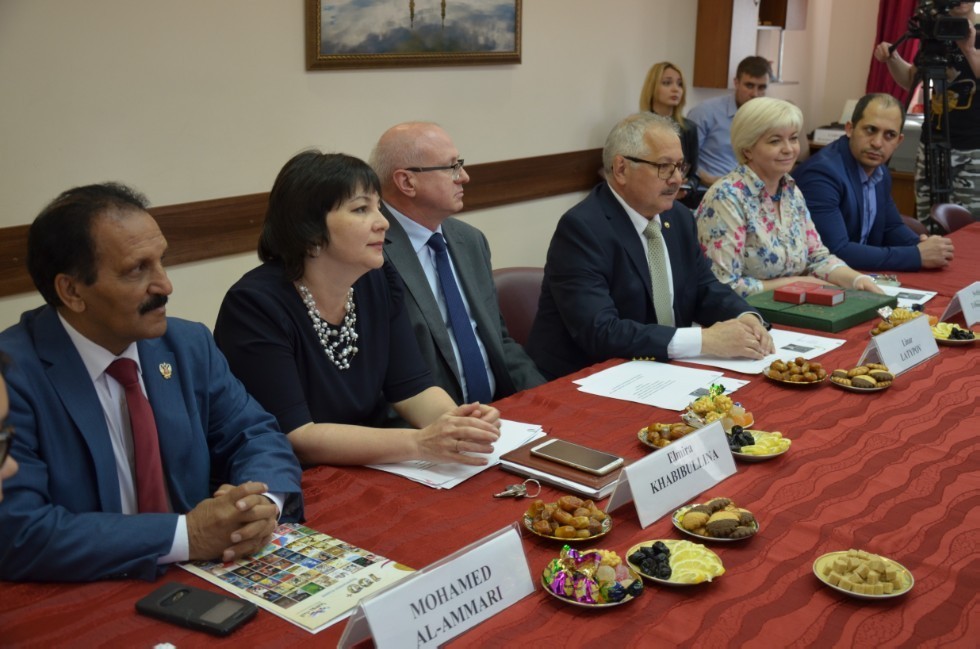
(6, 441)
(456, 167)
(664, 169)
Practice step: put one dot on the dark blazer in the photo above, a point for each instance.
(596, 301)
(512, 369)
(61, 514)
(831, 183)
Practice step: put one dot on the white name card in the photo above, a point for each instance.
(443, 600)
(666, 479)
(903, 347)
(966, 300)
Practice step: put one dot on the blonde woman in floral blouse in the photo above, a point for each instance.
(753, 223)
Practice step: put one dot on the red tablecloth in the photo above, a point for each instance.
(894, 473)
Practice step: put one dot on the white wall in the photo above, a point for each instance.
(196, 99)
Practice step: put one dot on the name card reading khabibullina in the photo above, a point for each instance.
(666, 479)
(451, 596)
(903, 347)
(966, 300)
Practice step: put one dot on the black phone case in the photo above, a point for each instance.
(184, 605)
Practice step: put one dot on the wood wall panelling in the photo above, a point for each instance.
(228, 226)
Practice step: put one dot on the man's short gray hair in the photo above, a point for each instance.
(626, 137)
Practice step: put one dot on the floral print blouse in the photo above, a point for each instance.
(748, 239)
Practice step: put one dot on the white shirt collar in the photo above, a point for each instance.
(418, 235)
(639, 221)
(95, 357)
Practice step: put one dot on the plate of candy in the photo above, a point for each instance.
(718, 519)
(591, 579)
(675, 562)
(569, 519)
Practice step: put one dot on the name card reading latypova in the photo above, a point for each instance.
(452, 596)
(903, 347)
(666, 479)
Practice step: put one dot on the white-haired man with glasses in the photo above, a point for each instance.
(625, 275)
(445, 264)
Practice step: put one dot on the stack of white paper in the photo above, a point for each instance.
(662, 385)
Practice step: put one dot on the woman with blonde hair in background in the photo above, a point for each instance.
(664, 93)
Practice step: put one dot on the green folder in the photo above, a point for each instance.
(857, 307)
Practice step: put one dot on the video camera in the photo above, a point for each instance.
(931, 21)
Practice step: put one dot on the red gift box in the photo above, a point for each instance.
(793, 293)
(825, 295)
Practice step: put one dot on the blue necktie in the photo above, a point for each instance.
(474, 370)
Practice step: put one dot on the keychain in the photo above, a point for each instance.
(520, 490)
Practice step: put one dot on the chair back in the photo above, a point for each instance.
(915, 225)
(950, 216)
(518, 290)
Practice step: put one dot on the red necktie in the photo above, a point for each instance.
(151, 492)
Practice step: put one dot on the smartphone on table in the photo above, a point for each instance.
(580, 457)
(196, 608)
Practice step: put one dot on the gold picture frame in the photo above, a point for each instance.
(346, 34)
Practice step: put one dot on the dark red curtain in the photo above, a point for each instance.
(893, 20)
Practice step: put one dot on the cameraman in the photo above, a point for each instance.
(963, 70)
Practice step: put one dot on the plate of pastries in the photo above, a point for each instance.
(716, 406)
(568, 519)
(675, 562)
(863, 575)
(871, 377)
(891, 318)
(658, 435)
(591, 578)
(796, 372)
(718, 519)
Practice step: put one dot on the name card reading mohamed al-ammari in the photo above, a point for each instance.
(443, 600)
(666, 479)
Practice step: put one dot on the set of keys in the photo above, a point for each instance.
(520, 490)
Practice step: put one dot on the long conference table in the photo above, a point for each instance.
(896, 473)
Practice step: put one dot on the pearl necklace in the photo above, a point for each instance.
(343, 347)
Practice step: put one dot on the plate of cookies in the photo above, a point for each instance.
(796, 372)
(872, 377)
(567, 520)
(718, 519)
(863, 575)
(657, 435)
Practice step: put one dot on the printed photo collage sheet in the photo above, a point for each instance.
(306, 577)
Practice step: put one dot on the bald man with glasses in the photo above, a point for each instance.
(445, 265)
(625, 275)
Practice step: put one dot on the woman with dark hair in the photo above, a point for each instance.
(319, 336)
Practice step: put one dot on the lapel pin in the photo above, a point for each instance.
(667, 224)
(166, 371)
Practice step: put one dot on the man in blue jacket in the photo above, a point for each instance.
(137, 447)
(848, 191)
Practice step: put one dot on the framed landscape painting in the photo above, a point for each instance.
(406, 33)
